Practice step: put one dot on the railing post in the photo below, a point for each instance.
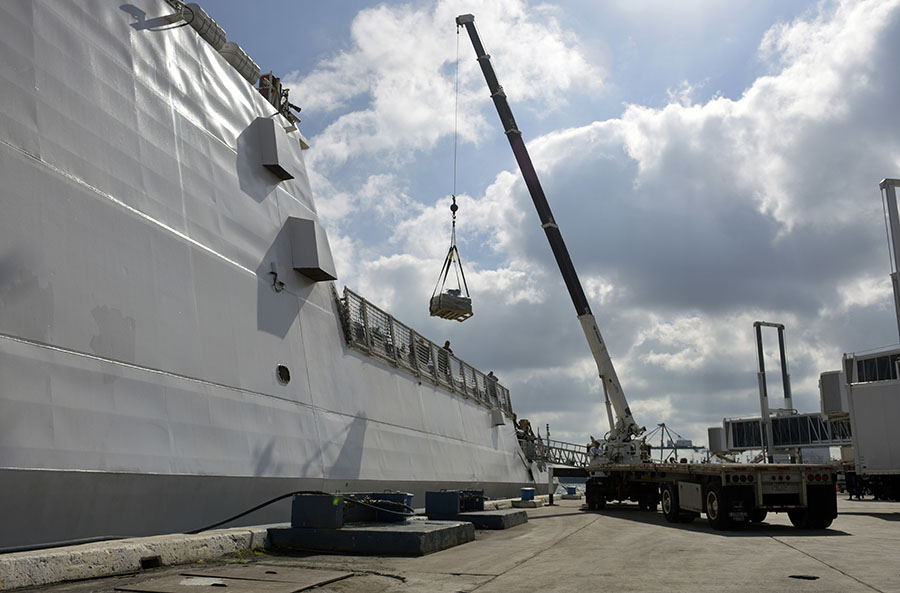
(550, 483)
(435, 360)
(393, 339)
(364, 313)
(414, 350)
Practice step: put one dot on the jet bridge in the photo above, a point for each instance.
(796, 431)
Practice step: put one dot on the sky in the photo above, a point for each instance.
(709, 164)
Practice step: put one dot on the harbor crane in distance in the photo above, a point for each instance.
(727, 493)
(621, 443)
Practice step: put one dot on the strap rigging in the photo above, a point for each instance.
(452, 303)
(454, 260)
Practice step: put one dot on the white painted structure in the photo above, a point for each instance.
(148, 295)
(874, 405)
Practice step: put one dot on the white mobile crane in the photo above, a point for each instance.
(620, 445)
(624, 471)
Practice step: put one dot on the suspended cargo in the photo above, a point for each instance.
(450, 304)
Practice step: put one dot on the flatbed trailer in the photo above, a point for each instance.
(729, 493)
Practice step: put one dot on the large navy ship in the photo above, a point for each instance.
(173, 348)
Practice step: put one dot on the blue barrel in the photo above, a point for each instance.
(570, 490)
(527, 493)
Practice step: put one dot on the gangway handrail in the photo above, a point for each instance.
(553, 451)
(375, 332)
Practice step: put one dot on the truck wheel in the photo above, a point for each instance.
(821, 521)
(647, 502)
(669, 500)
(687, 516)
(817, 517)
(821, 509)
(799, 518)
(591, 494)
(810, 519)
(597, 502)
(717, 508)
(758, 515)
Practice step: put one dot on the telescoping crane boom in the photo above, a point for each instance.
(619, 441)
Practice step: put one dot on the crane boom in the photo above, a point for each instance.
(625, 427)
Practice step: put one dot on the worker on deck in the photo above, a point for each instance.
(444, 360)
(491, 385)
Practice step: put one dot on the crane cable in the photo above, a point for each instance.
(449, 260)
(455, 123)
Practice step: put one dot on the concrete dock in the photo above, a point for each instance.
(564, 548)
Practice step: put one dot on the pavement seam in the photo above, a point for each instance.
(539, 552)
(807, 554)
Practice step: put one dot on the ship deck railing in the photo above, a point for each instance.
(377, 333)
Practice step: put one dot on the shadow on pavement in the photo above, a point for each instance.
(569, 514)
(885, 516)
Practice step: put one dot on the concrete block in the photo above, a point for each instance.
(493, 519)
(411, 538)
(102, 559)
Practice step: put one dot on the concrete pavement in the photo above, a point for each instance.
(563, 548)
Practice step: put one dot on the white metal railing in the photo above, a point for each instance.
(557, 452)
(375, 332)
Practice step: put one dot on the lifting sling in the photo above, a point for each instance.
(452, 303)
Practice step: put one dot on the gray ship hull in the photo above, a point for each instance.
(141, 327)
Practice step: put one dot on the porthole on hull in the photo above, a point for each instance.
(283, 373)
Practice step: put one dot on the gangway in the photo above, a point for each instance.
(555, 452)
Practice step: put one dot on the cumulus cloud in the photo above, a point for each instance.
(401, 65)
(686, 222)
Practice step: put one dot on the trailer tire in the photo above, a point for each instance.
(820, 511)
(809, 518)
(596, 498)
(647, 501)
(799, 518)
(717, 508)
(822, 521)
(597, 504)
(758, 515)
(669, 501)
